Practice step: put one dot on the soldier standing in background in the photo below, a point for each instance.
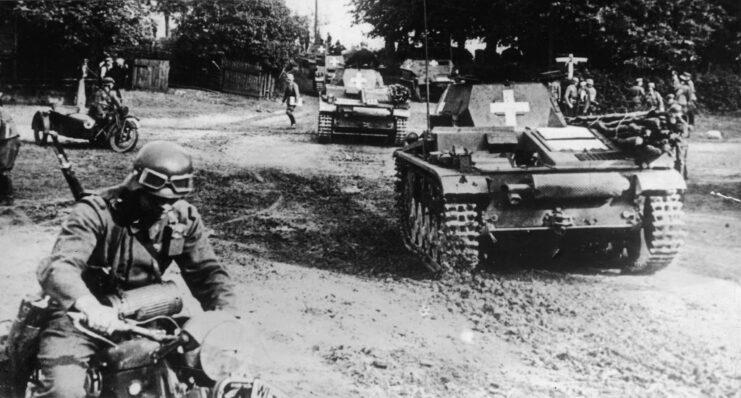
(636, 95)
(9, 145)
(584, 102)
(571, 97)
(592, 92)
(291, 97)
(683, 92)
(653, 98)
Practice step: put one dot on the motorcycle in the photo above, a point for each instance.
(119, 131)
(153, 353)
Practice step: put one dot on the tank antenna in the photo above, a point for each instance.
(427, 67)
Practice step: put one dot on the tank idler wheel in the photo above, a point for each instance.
(654, 247)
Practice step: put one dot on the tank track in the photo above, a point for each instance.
(400, 131)
(444, 235)
(664, 221)
(324, 130)
(320, 88)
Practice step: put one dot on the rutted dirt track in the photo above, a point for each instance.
(339, 308)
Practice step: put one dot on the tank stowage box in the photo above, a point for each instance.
(358, 103)
(502, 178)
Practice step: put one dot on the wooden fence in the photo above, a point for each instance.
(150, 74)
(245, 79)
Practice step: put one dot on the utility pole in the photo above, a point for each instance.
(316, 21)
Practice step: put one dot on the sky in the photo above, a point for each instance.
(335, 18)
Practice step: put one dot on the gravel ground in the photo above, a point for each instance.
(339, 308)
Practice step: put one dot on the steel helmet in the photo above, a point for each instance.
(675, 108)
(164, 169)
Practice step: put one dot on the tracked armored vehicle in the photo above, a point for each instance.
(502, 179)
(358, 103)
(326, 71)
(414, 77)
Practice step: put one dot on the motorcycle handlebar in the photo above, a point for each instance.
(79, 320)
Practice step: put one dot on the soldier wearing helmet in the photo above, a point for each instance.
(104, 102)
(122, 238)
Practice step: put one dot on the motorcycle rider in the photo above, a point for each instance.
(104, 102)
(125, 237)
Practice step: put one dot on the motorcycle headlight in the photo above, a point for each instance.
(221, 350)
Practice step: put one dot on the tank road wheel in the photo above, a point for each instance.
(400, 130)
(324, 130)
(654, 246)
(444, 235)
(40, 137)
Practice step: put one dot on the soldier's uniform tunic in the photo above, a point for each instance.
(100, 250)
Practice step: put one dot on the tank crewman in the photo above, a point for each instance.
(338, 48)
(9, 146)
(104, 102)
(571, 97)
(653, 98)
(636, 95)
(362, 58)
(118, 240)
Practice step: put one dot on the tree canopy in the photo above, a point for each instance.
(90, 25)
(263, 32)
(640, 34)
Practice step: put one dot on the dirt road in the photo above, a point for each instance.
(338, 307)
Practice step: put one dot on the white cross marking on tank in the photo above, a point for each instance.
(509, 108)
(359, 80)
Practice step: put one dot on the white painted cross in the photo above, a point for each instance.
(570, 61)
(509, 108)
(359, 80)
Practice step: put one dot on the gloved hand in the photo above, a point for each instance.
(100, 318)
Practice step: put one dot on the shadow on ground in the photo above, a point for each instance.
(340, 223)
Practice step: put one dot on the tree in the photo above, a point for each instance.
(89, 26)
(641, 34)
(263, 32)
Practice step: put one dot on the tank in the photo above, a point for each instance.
(502, 179)
(357, 103)
(326, 70)
(413, 77)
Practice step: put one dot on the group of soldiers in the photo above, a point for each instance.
(648, 98)
(579, 97)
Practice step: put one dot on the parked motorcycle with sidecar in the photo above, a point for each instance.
(119, 131)
(153, 354)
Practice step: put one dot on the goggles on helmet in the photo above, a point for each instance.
(154, 180)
